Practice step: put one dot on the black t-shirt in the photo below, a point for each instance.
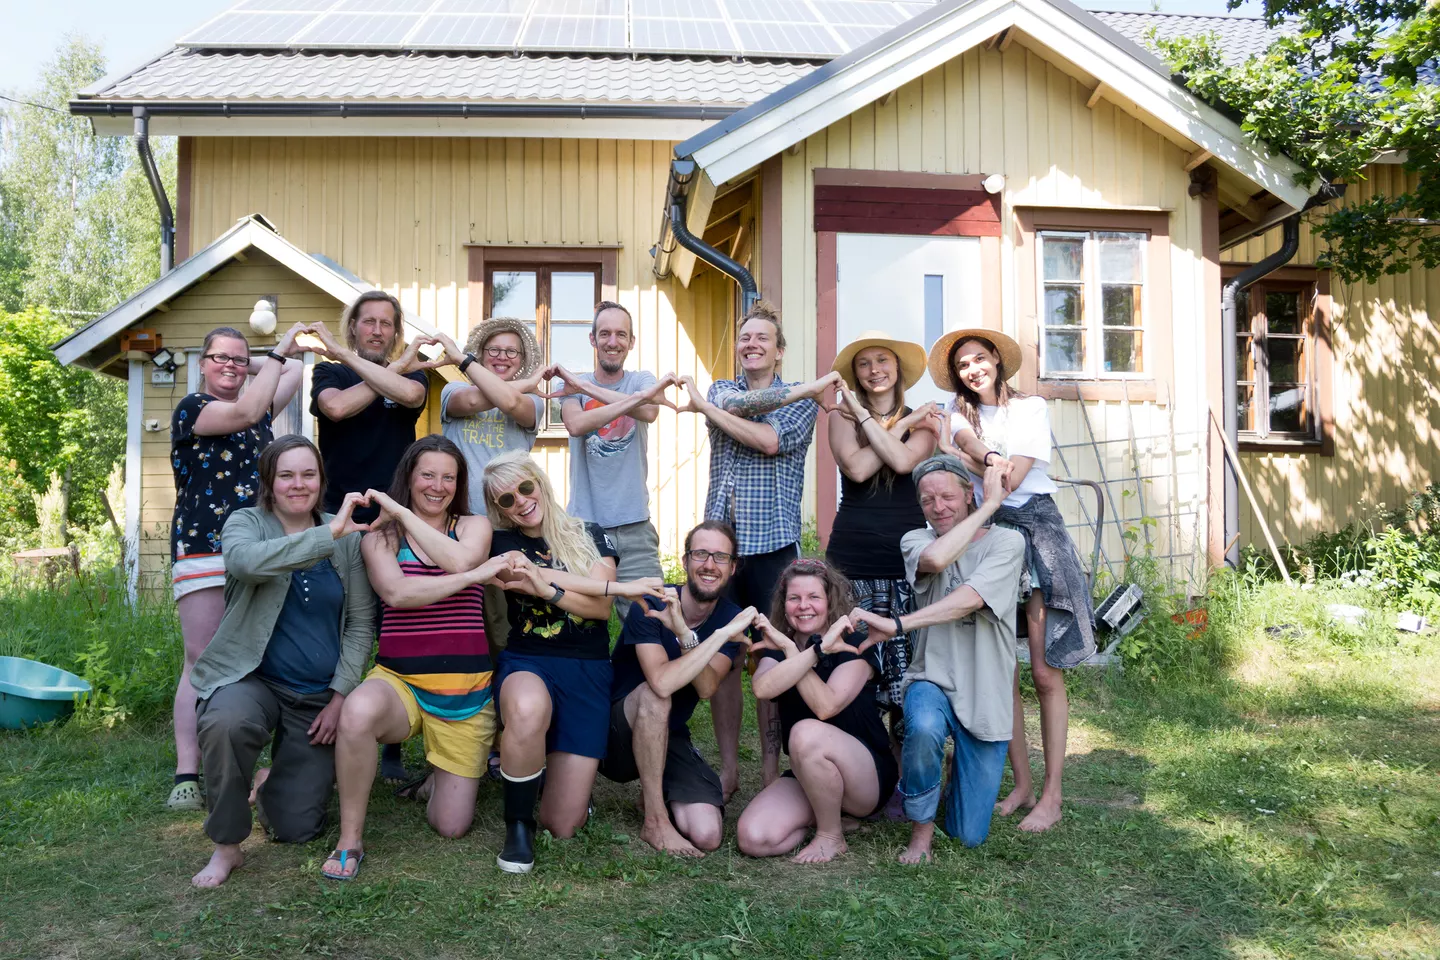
(861, 716)
(538, 629)
(361, 452)
(865, 538)
(642, 629)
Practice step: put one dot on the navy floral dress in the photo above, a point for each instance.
(213, 476)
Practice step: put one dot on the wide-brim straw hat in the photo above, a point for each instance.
(528, 344)
(910, 355)
(940, 371)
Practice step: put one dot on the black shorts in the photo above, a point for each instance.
(688, 778)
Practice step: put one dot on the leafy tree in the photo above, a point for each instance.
(55, 419)
(1345, 81)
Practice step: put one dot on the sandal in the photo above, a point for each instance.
(410, 789)
(186, 797)
(341, 857)
(492, 767)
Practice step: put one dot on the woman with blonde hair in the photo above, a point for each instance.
(822, 678)
(873, 437)
(554, 674)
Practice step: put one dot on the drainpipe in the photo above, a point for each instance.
(681, 173)
(157, 187)
(1229, 390)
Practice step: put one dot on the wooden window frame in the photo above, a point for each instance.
(1321, 437)
(485, 260)
(1156, 315)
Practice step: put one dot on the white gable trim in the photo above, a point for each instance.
(903, 56)
(247, 234)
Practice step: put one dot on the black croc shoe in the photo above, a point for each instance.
(518, 856)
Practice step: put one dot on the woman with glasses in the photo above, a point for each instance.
(875, 443)
(216, 437)
(426, 557)
(554, 677)
(822, 678)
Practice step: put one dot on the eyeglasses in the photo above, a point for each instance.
(701, 556)
(507, 500)
(509, 353)
(224, 358)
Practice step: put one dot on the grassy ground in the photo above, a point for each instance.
(1288, 809)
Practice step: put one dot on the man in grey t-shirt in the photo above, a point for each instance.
(607, 414)
(966, 577)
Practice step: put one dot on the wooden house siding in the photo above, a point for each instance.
(1012, 112)
(400, 213)
(1386, 401)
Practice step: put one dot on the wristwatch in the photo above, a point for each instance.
(559, 592)
(469, 359)
(281, 358)
(692, 643)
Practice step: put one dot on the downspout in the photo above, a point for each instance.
(157, 187)
(1229, 295)
(681, 173)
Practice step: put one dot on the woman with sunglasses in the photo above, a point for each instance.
(216, 437)
(425, 556)
(554, 676)
(822, 678)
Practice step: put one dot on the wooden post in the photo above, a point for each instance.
(1254, 504)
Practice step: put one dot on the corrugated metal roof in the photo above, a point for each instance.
(1240, 37)
(475, 77)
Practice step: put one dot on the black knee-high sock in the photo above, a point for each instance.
(521, 795)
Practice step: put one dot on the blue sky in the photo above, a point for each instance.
(132, 31)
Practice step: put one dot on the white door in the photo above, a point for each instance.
(913, 288)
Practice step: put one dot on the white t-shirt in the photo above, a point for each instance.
(1021, 428)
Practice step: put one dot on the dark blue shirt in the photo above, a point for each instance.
(642, 629)
(305, 645)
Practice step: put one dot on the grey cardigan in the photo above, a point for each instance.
(259, 556)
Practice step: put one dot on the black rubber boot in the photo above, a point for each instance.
(518, 855)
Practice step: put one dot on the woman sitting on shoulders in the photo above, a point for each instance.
(427, 561)
(829, 725)
(292, 643)
(554, 677)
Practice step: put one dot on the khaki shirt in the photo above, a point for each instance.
(258, 559)
(972, 660)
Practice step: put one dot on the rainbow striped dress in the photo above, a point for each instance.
(440, 651)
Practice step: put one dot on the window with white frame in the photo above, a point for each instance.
(1092, 303)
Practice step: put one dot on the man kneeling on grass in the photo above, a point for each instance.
(966, 577)
(670, 656)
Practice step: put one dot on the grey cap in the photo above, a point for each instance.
(941, 461)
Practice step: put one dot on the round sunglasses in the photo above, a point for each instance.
(506, 500)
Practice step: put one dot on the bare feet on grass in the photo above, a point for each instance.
(662, 835)
(1045, 815)
(227, 857)
(822, 849)
(921, 835)
(1017, 800)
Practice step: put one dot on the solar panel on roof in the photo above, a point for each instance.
(510, 7)
(697, 36)
(677, 9)
(358, 29)
(796, 39)
(295, 6)
(782, 11)
(465, 32)
(858, 12)
(575, 33)
(378, 6)
(252, 29)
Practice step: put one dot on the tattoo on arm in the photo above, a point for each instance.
(756, 403)
(772, 734)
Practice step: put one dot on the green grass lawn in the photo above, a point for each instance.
(1289, 809)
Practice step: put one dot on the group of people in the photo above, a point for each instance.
(487, 602)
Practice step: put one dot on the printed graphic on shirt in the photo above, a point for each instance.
(613, 438)
(485, 429)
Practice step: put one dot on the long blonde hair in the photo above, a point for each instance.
(571, 546)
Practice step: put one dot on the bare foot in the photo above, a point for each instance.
(729, 783)
(420, 792)
(261, 776)
(921, 835)
(662, 835)
(822, 849)
(227, 857)
(849, 824)
(1045, 815)
(1018, 800)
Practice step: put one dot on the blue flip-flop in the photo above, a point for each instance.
(342, 856)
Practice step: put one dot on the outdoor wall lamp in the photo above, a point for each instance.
(262, 318)
(167, 360)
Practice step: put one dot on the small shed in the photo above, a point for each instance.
(218, 286)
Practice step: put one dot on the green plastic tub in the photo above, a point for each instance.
(32, 693)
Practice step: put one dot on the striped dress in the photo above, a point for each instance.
(440, 651)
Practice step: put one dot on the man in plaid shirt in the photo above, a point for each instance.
(760, 430)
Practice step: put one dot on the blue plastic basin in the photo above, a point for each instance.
(32, 692)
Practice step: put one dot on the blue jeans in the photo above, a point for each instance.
(974, 779)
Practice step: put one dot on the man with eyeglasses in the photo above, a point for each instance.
(607, 414)
(669, 657)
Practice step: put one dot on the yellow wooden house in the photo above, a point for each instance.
(1019, 164)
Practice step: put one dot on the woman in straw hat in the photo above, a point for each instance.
(875, 446)
(993, 424)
